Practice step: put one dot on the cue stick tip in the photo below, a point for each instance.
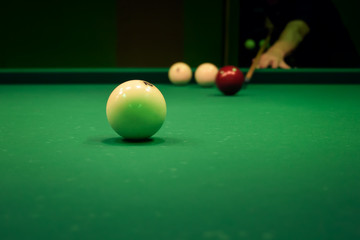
(245, 83)
(248, 77)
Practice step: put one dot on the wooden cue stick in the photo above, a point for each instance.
(257, 58)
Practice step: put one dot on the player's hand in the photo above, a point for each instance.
(273, 58)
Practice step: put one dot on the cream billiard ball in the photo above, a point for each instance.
(205, 74)
(180, 73)
(136, 110)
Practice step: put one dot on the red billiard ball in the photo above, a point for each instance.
(229, 80)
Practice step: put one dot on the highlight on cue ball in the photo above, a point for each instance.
(136, 110)
(205, 74)
(180, 73)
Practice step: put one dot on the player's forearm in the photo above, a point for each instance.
(291, 37)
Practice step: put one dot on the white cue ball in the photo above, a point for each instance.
(205, 74)
(180, 73)
(136, 109)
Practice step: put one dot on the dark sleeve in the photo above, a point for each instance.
(282, 12)
(328, 39)
(303, 10)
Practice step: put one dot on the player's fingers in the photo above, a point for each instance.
(258, 64)
(284, 65)
(264, 62)
(274, 63)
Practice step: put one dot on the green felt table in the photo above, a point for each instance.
(275, 161)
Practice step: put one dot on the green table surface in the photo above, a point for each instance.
(274, 162)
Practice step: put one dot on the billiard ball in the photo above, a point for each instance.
(262, 42)
(250, 44)
(205, 74)
(136, 110)
(180, 73)
(229, 80)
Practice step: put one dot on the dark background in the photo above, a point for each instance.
(137, 33)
